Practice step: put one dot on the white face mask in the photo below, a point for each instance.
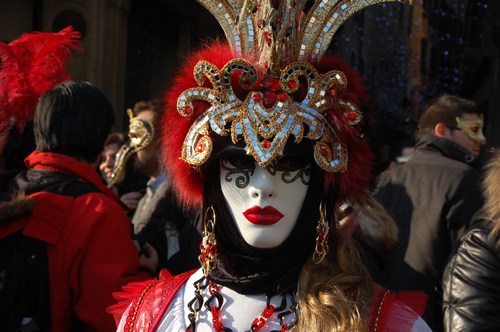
(264, 202)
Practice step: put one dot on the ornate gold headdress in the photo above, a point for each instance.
(277, 37)
(269, 89)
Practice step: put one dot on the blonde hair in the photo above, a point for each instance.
(489, 184)
(335, 294)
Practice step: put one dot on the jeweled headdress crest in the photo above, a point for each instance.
(270, 89)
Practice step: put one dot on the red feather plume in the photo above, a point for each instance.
(187, 180)
(31, 65)
(355, 181)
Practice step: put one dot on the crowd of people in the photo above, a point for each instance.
(433, 197)
(243, 204)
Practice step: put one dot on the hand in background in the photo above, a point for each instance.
(148, 258)
(131, 199)
(348, 224)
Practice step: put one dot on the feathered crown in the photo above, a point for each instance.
(269, 84)
(31, 65)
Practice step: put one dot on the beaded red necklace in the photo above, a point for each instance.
(257, 324)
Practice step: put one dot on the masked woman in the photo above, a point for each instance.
(268, 144)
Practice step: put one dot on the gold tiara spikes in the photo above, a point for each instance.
(266, 118)
(322, 22)
(287, 33)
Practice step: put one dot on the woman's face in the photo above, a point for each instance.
(108, 157)
(264, 202)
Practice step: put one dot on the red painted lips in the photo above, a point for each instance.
(263, 216)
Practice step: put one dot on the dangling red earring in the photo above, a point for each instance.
(208, 246)
(322, 236)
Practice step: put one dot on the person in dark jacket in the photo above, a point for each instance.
(432, 197)
(471, 293)
(90, 253)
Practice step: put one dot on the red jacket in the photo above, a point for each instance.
(90, 250)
